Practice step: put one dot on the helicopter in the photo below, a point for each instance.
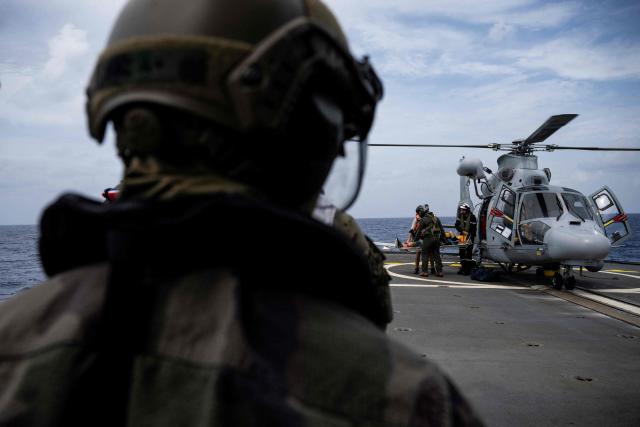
(524, 221)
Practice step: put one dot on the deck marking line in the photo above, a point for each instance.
(620, 291)
(458, 286)
(447, 282)
(619, 271)
(622, 274)
(608, 301)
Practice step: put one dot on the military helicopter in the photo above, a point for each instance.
(524, 221)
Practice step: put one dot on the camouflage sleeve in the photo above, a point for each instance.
(446, 406)
(375, 258)
(380, 279)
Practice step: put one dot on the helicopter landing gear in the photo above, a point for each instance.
(565, 279)
(569, 279)
(556, 281)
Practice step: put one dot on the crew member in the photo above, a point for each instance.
(466, 224)
(413, 239)
(228, 115)
(431, 232)
(111, 194)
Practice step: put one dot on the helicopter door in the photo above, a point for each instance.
(612, 217)
(501, 216)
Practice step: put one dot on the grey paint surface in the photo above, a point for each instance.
(519, 354)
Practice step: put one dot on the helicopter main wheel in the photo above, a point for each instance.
(570, 283)
(557, 281)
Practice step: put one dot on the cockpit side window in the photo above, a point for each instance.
(540, 205)
(578, 206)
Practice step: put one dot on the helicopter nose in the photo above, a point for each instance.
(572, 244)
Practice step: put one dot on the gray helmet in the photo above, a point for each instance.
(238, 63)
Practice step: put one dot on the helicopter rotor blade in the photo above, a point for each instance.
(553, 147)
(549, 127)
(491, 146)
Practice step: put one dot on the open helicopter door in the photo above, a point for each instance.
(501, 216)
(612, 217)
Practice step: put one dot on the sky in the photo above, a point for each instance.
(455, 72)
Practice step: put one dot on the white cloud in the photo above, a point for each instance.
(499, 31)
(580, 58)
(64, 47)
(525, 13)
(51, 93)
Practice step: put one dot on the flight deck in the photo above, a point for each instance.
(523, 353)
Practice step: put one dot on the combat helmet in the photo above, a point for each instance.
(241, 64)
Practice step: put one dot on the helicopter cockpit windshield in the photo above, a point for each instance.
(533, 208)
(578, 206)
(540, 205)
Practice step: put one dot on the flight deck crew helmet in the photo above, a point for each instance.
(465, 206)
(419, 209)
(246, 66)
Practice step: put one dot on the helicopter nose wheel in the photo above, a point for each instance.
(557, 281)
(565, 279)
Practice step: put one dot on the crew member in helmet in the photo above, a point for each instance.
(466, 224)
(432, 233)
(414, 240)
(225, 112)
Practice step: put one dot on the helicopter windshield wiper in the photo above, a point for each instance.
(578, 215)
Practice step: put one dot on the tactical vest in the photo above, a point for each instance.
(431, 228)
(465, 223)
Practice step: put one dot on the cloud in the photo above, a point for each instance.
(499, 31)
(64, 47)
(525, 13)
(580, 58)
(50, 93)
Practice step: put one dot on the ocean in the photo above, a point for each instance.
(20, 266)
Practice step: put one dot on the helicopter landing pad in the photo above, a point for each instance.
(523, 353)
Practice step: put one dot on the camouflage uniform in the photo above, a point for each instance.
(374, 256)
(140, 326)
(431, 232)
(153, 315)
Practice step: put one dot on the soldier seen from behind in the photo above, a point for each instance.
(228, 115)
(432, 233)
(466, 224)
